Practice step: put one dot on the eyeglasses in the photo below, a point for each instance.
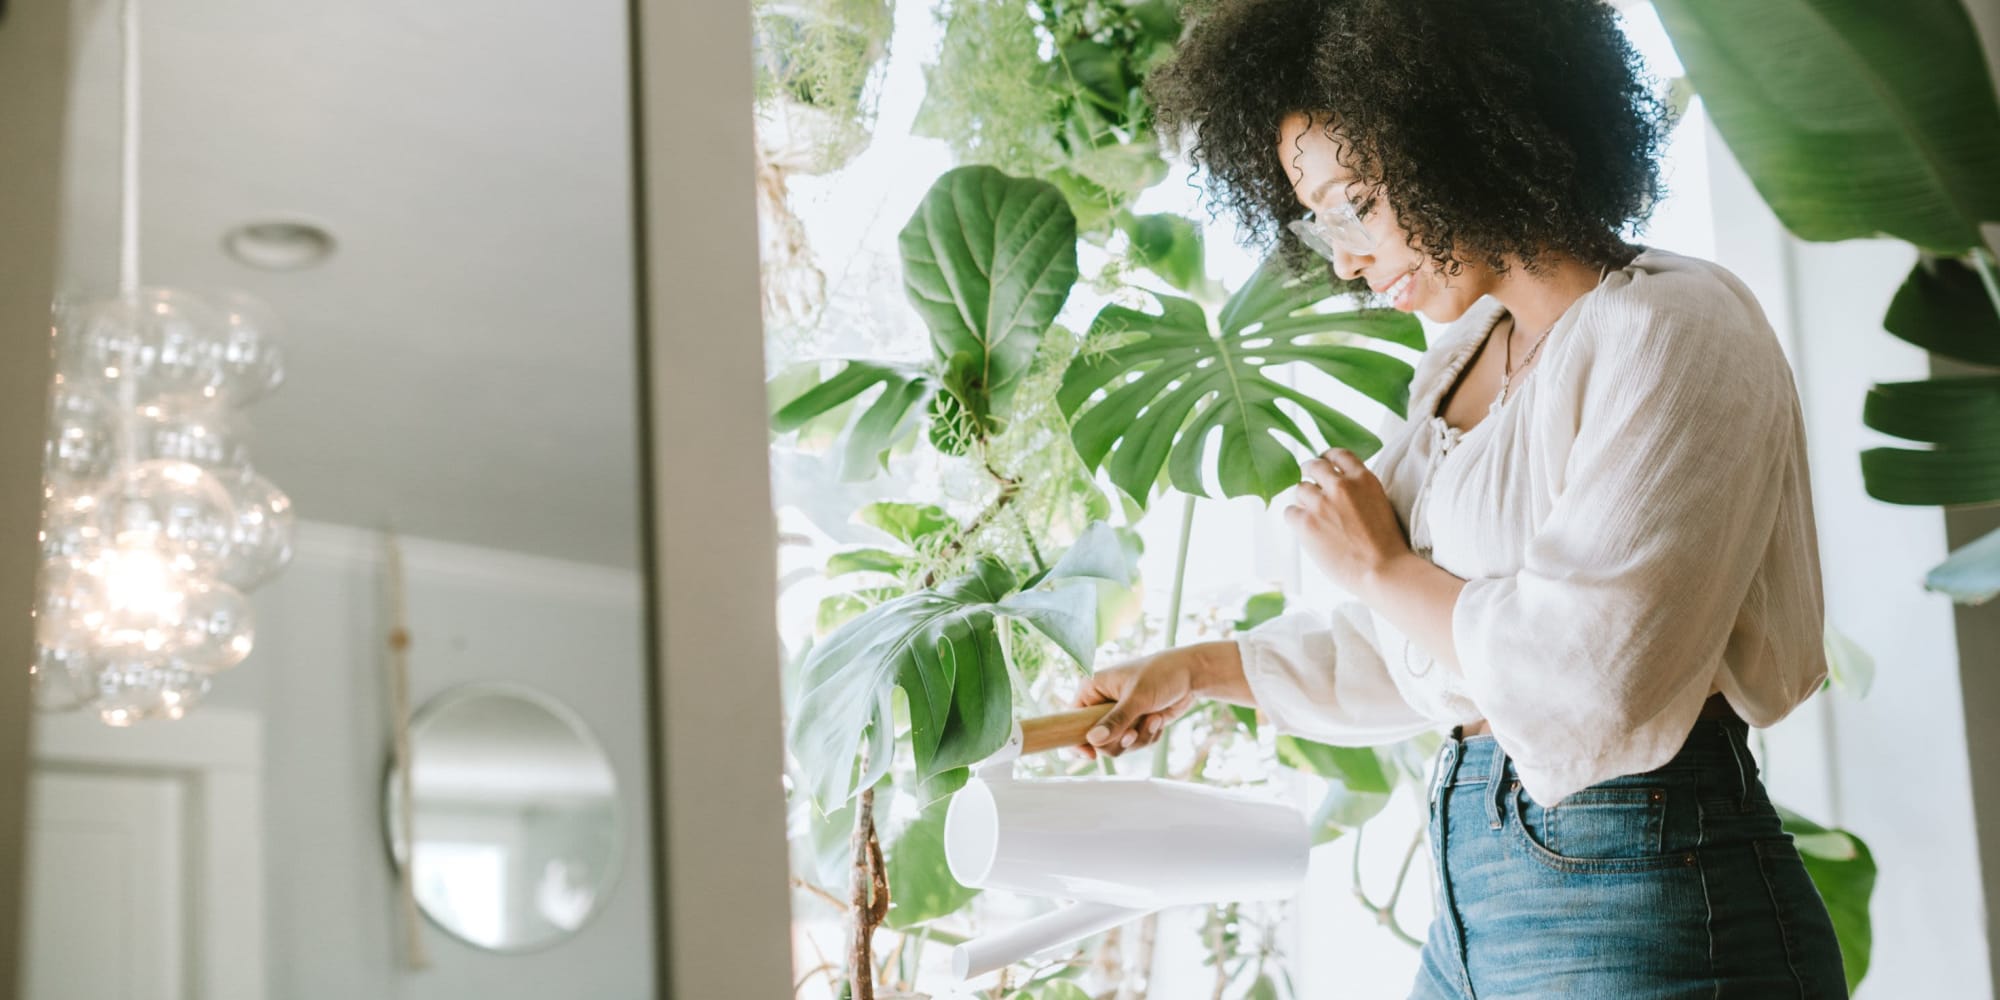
(1341, 230)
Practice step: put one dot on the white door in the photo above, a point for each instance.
(106, 882)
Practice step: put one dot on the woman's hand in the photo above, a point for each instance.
(1150, 691)
(1345, 521)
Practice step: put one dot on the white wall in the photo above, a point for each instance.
(317, 678)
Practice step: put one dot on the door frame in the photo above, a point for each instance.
(217, 754)
(724, 882)
(34, 85)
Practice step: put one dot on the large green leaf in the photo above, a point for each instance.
(1943, 307)
(1101, 552)
(1849, 668)
(1068, 614)
(941, 647)
(1170, 246)
(906, 522)
(872, 430)
(920, 884)
(988, 261)
(1359, 768)
(1853, 117)
(1169, 382)
(1972, 574)
(1959, 415)
(929, 643)
(1342, 809)
(1843, 870)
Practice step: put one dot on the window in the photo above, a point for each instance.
(850, 219)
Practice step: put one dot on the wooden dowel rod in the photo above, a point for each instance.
(1063, 729)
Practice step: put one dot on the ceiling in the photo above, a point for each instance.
(462, 367)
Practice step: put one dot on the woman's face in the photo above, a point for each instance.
(1393, 268)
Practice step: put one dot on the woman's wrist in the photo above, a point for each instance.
(1216, 671)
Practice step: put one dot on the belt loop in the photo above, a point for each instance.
(1497, 778)
(1441, 763)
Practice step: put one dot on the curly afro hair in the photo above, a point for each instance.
(1495, 128)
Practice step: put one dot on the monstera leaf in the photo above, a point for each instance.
(1155, 398)
(940, 646)
(1853, 118)
(988, 261)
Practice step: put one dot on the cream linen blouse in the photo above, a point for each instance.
(1634, 525)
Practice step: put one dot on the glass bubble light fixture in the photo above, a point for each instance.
(155, 525)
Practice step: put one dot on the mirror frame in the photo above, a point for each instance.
(620, 809)
(34, 93)
(711, 540)
(724, 911)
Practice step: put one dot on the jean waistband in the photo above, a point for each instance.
(1713, 742)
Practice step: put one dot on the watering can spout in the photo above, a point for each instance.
(1029, 938)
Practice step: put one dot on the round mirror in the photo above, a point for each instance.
(516, 831)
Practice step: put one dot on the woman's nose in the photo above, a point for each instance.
(1348, 265)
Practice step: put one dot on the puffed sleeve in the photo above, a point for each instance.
(1594, 658)
(1322, 677)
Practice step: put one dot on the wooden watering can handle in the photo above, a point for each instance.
(1063, 729)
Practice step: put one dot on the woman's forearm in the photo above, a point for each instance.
(1218, 672)
(1417, 596)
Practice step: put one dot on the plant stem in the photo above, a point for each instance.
(1149, 927)
(1385, 912)
(868, 898)
(1989, 274)
(1034, 551)
(1180, 571)
(1009, 487)
(1174, 614)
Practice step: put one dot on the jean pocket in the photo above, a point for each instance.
(1619, 828)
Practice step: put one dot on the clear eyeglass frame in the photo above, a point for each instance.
(1342, 230)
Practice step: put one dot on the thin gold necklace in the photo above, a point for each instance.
(1507, 368)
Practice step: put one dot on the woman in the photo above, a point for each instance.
(1590, 549)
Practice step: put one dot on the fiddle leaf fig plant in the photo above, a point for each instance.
(988, 261)
(1172, 378)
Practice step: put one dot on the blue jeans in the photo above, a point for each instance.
(1677, 882)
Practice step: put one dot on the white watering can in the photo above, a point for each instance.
(1118, 848)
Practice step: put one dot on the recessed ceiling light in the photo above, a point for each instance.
(279, 245)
